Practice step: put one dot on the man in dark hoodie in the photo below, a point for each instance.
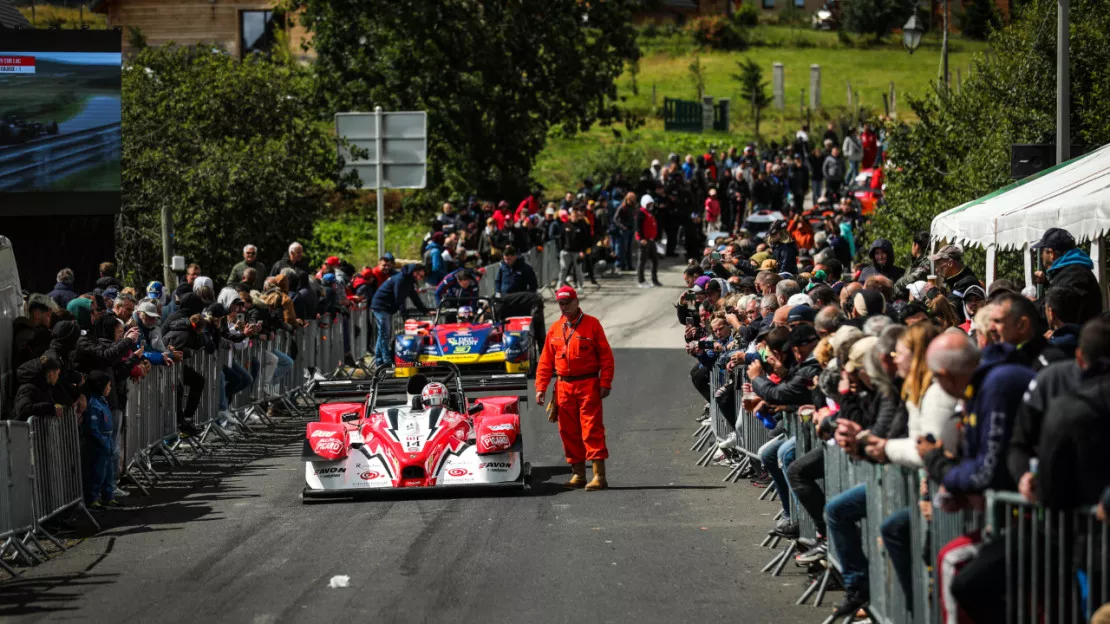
(36, 380)
(190, 304)
(63, 347)
(882, 262)
(1069, 266)
(388, 300)
(31, 335)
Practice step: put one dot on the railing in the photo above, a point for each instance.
(40, 460)
(43, 161)
(1058, 563)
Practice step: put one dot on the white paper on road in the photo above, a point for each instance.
(339, 581)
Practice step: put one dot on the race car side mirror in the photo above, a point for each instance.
(475, 409)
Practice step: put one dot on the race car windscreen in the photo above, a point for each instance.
(60, 121)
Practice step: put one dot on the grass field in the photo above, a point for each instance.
(355, 238)
(869, 67)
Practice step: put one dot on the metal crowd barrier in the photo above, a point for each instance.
(892, 488)
(17, 492)
(1057, 562)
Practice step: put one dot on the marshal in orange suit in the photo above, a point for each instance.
(577, 355)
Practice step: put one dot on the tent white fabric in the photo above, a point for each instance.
(1074, 196)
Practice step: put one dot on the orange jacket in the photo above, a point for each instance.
(588, 353)
(802, 232)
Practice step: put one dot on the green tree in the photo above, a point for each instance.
(875, 17)
(960, 148)
(494, 77)
(753, 89)
(232, 147)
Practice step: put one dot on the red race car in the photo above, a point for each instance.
(391, 439)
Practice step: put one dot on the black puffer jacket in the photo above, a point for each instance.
(33, 397)
(28, 341)
(63, 347)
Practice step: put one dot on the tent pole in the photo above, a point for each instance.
(992, 257)
(1027, 260)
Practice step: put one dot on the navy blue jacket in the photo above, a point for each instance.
(392, 294)
(516, 278)
(997, 389)
(786, 254)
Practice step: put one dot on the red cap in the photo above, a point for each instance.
(564, 293)
(332, 261)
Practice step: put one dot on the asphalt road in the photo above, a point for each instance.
(229, 540)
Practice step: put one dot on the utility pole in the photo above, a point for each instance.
(944, 50)
(169, 280)
(1063, 85)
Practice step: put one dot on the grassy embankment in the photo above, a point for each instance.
(869, 67)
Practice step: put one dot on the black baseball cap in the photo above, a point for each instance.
(800, 336)
(1057, 239)
(801, 313)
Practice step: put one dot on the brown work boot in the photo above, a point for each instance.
(598, 482)
(578, 478)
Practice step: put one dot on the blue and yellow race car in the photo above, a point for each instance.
(467, 333)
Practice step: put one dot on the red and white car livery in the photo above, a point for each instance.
(379, 443)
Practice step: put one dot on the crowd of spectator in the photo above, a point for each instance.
(86, 350)
(980, 386)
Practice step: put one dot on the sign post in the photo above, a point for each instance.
(396, 153)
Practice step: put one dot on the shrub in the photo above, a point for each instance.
(746, 16)
(791, 15)
(650, 30)
(718, 32)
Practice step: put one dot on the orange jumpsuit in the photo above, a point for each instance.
(579, 354)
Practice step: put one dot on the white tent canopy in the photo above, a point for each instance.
(1074, 196)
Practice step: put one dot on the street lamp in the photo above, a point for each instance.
(911, 33)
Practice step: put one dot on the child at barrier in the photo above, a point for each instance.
(96, 447)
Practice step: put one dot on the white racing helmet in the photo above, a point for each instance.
(434, 394)
(466, 314)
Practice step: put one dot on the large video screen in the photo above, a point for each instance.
(60, 121)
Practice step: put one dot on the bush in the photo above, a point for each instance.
(650, 30)
(718, 32)
(601, 163)
(746, 16)
(791, 15)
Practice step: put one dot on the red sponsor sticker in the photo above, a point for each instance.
(369, 476)
(458, 472)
